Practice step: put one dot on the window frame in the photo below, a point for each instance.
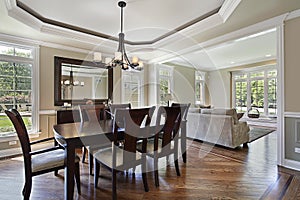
(248, 79)
(34, 62)
(169, 78)
(140, 77)
(201, 82)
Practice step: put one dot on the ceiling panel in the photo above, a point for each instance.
(144, 20)
(253, 48)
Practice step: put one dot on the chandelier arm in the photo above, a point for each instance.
(127, 60)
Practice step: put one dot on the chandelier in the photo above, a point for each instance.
(121, 59)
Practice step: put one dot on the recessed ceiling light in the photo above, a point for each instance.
(232, 62)
(268, 55)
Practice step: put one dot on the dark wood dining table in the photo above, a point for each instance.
(76, 135)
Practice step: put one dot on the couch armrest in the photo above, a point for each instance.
(240, 133)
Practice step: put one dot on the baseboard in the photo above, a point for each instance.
(291, 164)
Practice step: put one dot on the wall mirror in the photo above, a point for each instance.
(76, 81)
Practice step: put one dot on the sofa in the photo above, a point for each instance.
(217, 126)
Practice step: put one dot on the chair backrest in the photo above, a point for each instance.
(113, 107)
(94, 113)
(184, 109)
(22, 133)
(172, 122)
(132, 120)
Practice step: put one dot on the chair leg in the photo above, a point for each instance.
(27, 189)
(156, 172)
(84, 150)
(91, 160)
(183, 141)
(177, 167)
(114, 184)
(176, 164)
(96, 172)
(77, 177)
(144, 176)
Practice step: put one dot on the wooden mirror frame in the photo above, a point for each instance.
(57, 80)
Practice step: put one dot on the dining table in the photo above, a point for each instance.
(77, 135)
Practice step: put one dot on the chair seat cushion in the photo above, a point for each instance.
(105, 156)
(49, 160)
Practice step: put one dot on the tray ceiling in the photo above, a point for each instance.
(145, 21)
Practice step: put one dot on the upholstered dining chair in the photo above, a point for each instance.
(184, 111)
(119, 158)
(92, 114)
(165, 143)
(41, 161)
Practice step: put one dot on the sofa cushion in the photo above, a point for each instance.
(222, 111)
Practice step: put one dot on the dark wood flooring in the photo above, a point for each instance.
(211, 172)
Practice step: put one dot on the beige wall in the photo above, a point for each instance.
(184, 84)
(219, 89)
(47, 85)
(291, 87)
(292, 65)
(47, 73)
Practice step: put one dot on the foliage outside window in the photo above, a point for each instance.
(165, 85)
(256, 89)
(199, 87)
(16, 70)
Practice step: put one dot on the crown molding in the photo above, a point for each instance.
(228, 8)
(206, 23)
(293, 14)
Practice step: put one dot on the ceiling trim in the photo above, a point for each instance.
(294, 14)
(109, 37)
(23, 13)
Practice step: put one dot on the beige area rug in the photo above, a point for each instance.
(258, 132)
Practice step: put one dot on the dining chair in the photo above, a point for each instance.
(182, 132)
(40, 161)
(113, 107)
(165, 143)
(120, 158)
(92, 114)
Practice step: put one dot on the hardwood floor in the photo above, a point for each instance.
(211, 172)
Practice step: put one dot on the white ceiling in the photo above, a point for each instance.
(146, 20)
(249, 49)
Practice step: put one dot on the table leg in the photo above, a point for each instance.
(183, 140)
(69, 171)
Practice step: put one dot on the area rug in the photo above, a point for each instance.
(256, 133)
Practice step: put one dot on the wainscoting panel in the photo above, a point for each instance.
(292, 137)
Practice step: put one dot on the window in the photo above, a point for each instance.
(133, 88)
(240, 86)
(17, 69)
(199, 87)
(165, 85)
(257, 89)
